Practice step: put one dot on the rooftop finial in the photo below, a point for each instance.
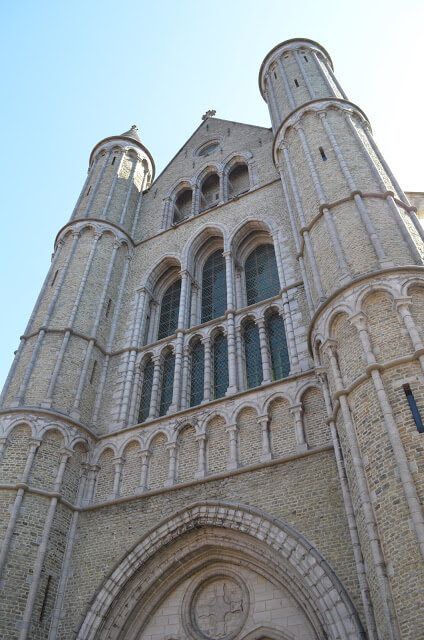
(209, 114)
(132, 133)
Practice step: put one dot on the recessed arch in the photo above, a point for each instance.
(269, 544)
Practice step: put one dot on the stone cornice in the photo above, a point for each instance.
(82, 221)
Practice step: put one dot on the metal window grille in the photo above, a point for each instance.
(146, 391)
(252, 350)
(170, 306)
(197, 374)
(214, 289)
(262, 280)
(278, 347)
(220, 366)
(167, 383)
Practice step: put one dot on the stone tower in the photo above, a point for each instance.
(212, 425)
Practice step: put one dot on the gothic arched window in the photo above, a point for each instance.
(278, 346)
(220, 366)
(261, 272)
(170, 306)
(197, 373)
(168, 366)
(146, 391)
(238, 181)
(182, 206)
(214, 288)
(209, 193)
(252, 349)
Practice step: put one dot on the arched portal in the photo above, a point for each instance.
(220, 571)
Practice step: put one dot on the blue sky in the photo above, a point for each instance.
(76, 72)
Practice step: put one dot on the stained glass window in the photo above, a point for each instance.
(214, 289)
(168, 321)
(278, 346)
(220, 366)
(261, 272)
(252, 350)
(167, 383)
(197, 374)
(146, 391)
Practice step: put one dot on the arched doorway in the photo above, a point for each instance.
(219, 571)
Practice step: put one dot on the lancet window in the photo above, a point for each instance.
(220, 366)
(209, 194)
(167, 386)
(261, 274)
(146, 391)
(182, 206)
(252, 349)
(168, 321)
(197, 373)
(214, 289)
(238, 181)
(277, 346)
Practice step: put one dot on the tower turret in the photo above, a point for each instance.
(120, 169)
(360, 249)
(61, 360)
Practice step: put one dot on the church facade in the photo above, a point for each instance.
(212, 427)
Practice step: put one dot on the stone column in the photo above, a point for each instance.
(335, 239)
(207, 389)
(263, 422)
(240, 361)
(96, 185)
(145, 458)
(172, 448)
(232, 431)
(297, 412)
(34, 443)
(118, 464)
(289, 92)
(384, 592)
(402, 464)
(201, 460)
(403, 308)
(91, 484)
(185, 400)
(265, 356)
(194, 315)
(155, 387)
(42, 549)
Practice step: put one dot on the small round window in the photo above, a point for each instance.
(208, 148)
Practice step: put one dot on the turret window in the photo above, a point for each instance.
(322, 152)
(170, 306)
(296, 82)
(214, 289)
(167, 383)
(146, 391)
(414, 409)
(261, 273)
(54, 278)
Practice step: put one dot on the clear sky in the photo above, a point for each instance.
(75, 72)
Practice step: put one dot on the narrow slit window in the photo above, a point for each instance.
(414, 409)
(275, 75)
(46, 595)
(305, 58)
(109, 304)
(93, 372)
(322, 152)
(113, 160)
(54, 278)
(88, 190)
(296, 82)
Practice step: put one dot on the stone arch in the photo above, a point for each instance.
(267, 633)
(387, 332)
(187, 452)
(159, 459)
(105, 475)
(217, 442)
(349, 350)
(73, 470)
(270, 546)
(200, 238)
(249, 435)
(281, 425)
(44, 468)
(131, 468)
(13, 460)
(317, 431)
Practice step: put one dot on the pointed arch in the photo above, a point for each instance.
(263, 540)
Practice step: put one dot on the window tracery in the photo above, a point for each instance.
(168, 321)
(261, 274)
(214, 292)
